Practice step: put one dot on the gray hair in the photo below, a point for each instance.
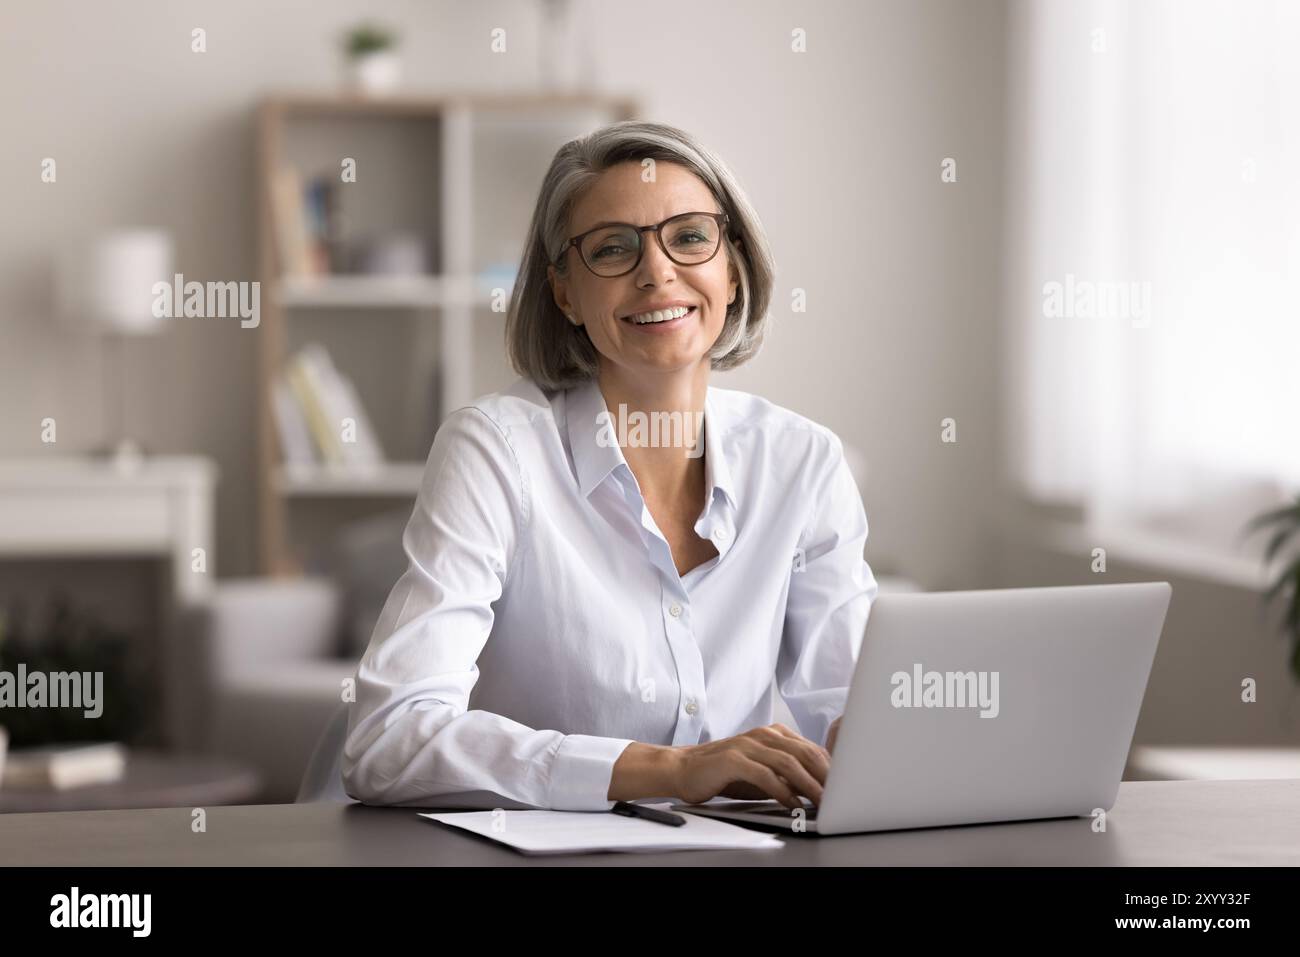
(540, 342)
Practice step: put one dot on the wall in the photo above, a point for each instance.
(839, 147)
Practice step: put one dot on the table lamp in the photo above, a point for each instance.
(105, 287)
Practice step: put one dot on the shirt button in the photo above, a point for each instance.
(675, 610)
(692, 707)
(720, 534)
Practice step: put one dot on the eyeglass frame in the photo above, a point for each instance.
(722, 219)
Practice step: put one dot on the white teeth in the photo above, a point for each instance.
(660, 315)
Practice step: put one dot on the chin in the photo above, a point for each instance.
(673, 363)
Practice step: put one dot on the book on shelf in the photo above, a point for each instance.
(319, 415)
(64, 766)
(307, 223)
(289, 217)
(320, 195)
(295, 435)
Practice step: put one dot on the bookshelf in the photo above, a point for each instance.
(459, 171)
(380, 292)
(388, 478)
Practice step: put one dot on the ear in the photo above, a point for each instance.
(733, 272)
(558, 292)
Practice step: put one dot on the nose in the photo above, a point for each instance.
(655, 266)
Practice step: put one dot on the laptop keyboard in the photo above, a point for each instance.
(769, 808)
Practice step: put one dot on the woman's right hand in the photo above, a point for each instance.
(767, 762)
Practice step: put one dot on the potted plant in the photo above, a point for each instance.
(372, 61)
(1285, 523)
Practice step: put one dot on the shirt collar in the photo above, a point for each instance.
(717, 471)
(594, 461)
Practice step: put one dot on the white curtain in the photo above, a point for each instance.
(1154, 149)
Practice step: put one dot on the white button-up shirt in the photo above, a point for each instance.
(541, 625)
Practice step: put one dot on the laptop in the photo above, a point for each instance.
(972, 707)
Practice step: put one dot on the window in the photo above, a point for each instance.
(1152, 303)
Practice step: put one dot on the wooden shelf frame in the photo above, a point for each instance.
(452, 294)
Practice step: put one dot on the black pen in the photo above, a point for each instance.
(649, 813)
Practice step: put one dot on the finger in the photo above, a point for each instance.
(764, 778)
(743, 790)
(816, 759)
(796, 736)
(793, 772)
(786, 764)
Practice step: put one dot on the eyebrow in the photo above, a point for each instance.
(624, 222)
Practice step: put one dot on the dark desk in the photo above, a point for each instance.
(1153, 823)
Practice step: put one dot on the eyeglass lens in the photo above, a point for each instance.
(689, 240)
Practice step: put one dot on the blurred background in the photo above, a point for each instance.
(1036, 266)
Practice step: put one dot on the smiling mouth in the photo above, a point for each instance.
(659, 317)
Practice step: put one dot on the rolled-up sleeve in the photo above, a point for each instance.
(411, 739)
(831, 592)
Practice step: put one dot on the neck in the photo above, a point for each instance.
(668, 461)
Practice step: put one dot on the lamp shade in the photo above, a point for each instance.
(106, 284)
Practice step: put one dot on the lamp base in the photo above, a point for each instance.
(126, 456)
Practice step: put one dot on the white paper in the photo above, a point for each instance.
(576, 832)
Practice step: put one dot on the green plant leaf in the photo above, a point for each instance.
(1286, 512)
(1279, 539)
(368, 38)
(1282, 579)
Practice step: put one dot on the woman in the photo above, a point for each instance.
(627, 590)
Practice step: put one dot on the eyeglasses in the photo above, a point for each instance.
(615, 249)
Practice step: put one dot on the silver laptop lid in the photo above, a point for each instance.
(997, 705)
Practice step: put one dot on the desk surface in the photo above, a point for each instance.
(1153, 823)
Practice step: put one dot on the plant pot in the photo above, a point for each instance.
(375, 73)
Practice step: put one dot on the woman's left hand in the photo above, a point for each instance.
(830, 736)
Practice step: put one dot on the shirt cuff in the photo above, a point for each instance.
(829, 705)
(581, 772)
